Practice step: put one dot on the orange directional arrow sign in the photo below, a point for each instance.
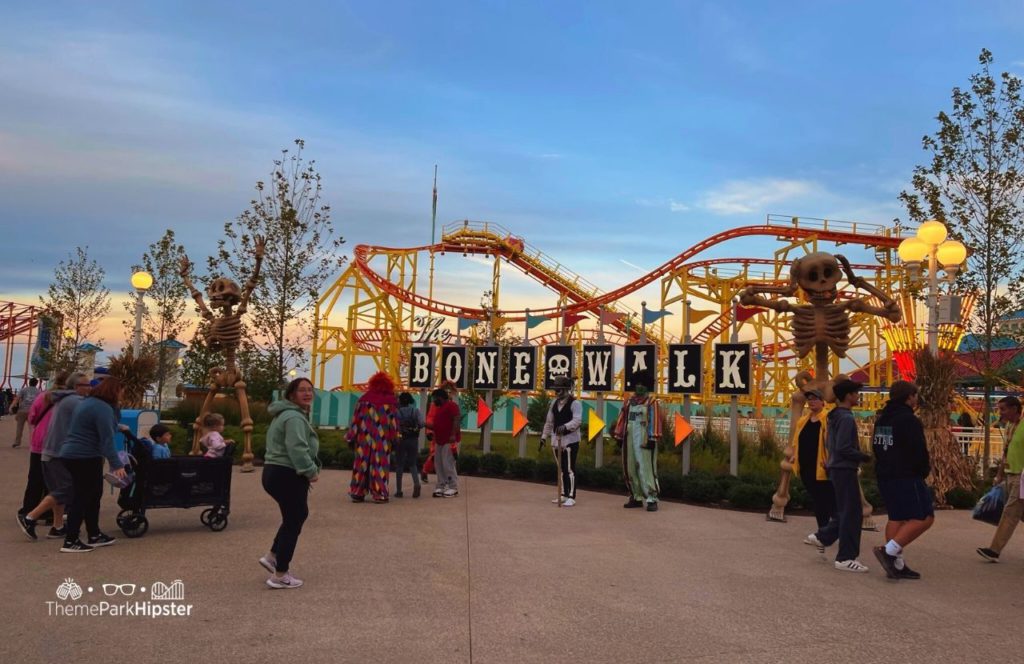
(483, 413)
(683, 429)
(518, 421)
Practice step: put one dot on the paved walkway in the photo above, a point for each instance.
(500, 574)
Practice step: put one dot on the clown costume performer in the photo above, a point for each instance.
(637, 430)
(372, 434)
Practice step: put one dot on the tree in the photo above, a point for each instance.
(974, 184)
(489, 332)
(166, 302)
(537, 411)
(301, 254)
(136, 374)
(199, 359)
(79, 300)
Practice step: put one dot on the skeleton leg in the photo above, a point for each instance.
(243, 406)
(867, 523)
(210, 394)
(781, 497)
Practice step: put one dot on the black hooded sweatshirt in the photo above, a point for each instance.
(899, 444)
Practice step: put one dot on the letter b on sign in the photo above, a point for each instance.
(732, 368)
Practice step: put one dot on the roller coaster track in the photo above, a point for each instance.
(482, 238)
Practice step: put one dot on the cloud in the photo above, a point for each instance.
(754, 195)
(676, 206)
(672, 204)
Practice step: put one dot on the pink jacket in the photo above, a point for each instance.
(39, 416)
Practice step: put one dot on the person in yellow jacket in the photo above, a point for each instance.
(809, 458)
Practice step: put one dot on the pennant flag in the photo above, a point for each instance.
(651, 316)
(743, 313)
(568, 320)
(683, 429)
(609, 317)
(518, 421)
(594, 424)
(483, 413)
(534, 321)
(465, 323)
(697, 315)
(499, 321)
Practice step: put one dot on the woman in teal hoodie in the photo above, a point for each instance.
(290, 463)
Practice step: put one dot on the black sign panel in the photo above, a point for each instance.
(732, 368)
(421, 367)
(641, 362)
(522, 367)
(453, 366)
(486, 367)
(598, 368)
(558, 361)
(685, 372)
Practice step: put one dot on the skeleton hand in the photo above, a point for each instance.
(261, 245)
(854, 280)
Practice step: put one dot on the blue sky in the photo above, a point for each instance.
(605, 133)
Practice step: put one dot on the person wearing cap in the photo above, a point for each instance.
(564, 420)
(809, 458)
(842, 445)
(638, 430)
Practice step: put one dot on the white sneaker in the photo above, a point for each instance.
(851, 566)
(813, 540)
(267, 564)
(285, 581)
(451, 493)
(556, 501)
(569, 502)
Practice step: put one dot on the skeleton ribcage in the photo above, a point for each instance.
(225, 332)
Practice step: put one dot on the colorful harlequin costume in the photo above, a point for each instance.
(372, 434)
(638, 429)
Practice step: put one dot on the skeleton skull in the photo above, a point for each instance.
(817, 274)
(223, 292)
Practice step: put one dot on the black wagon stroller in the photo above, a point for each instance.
(180, 481)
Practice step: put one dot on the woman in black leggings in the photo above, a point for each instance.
(290, 463)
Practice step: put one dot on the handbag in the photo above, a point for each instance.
(990, 507)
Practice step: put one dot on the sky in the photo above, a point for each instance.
(610, 135)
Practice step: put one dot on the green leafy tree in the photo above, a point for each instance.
(974, 182)
(537, 411)
(302, 253)
(79, 300)
(199, 359)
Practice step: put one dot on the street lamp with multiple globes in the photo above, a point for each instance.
(931, 243)
(141, 282)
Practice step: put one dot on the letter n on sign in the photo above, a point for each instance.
(732, 368)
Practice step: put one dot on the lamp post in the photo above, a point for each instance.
(141, 282)
(931, 243)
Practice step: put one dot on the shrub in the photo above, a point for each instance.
(671, 486)
(468, 464)
(327, 456)
(607, 477)
(759, 468)
(584, 475)
(726, 482)
(798, 497)
(546, 471)
(962, 499)
(746, 495)
(871, 493)
(521, 469)
(344, 458)
(701, 490)
(493, 463)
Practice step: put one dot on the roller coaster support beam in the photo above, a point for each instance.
(687, 445)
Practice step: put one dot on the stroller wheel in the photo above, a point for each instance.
(204, 518)
(218, 522)
(132, 524)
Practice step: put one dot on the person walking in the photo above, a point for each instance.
(1009, 471)
(809, 459)
(21, 406)
(564, 419)
(842, 446)
(901, 465)
(39, 417)
(372, 433)
(89, 441)
(410, 421)
(290, 466)
(445, 427)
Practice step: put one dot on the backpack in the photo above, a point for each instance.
(408, 424)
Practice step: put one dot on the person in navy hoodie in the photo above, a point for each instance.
(901, 465)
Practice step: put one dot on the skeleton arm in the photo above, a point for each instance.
(261, 245)
(890, 309)
(751, 297)
(196, 295)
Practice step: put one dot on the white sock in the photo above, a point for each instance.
(900, 563)
(892, 548)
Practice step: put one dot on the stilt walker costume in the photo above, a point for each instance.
(638, 430)
(564, 420)
(372, 434)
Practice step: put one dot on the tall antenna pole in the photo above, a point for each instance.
(433, 233)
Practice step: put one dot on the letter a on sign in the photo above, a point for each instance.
(640, 365)
(732, 368)
(453, 366)
(421, 367)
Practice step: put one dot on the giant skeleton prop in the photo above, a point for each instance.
(224, 335)
(821, 325)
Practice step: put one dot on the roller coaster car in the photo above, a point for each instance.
(515, 243)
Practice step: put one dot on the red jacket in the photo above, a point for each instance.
(444, 421)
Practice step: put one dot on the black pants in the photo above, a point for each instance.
(823, 498)
(406, 452)
(35, 489)
(87, 487)
(291, 491)
(845, 526)
(569, 455)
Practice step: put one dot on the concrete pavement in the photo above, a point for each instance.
(499, 574)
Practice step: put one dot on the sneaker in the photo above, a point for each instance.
(988, 554)
(888, 562)
(813, 540)
(451, 493)
(28, 526)
(632, 503)
(438, 493)
(356, 499)
(76, 546)
(380, 501)
(905, 572)
(851, 566)
(284, 581)
(101, 540)
(568, 502)
(267, 564)
(56, 533)
(416, 492)
(652, 507)
(399, 494)
(423, 477)
(16, 445)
